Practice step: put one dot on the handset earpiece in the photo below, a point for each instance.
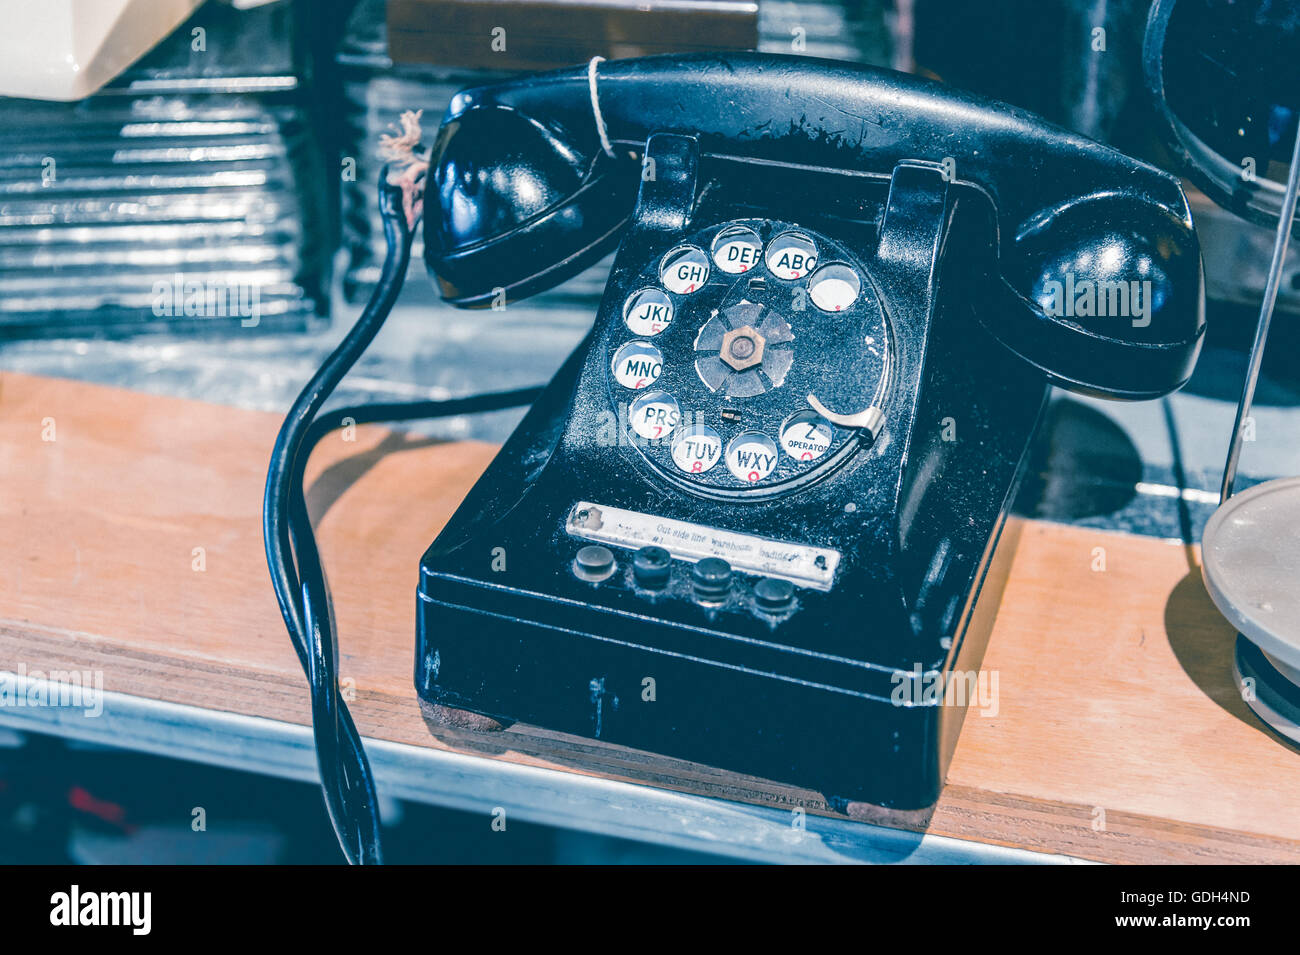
(1107, 296)
(513, 208)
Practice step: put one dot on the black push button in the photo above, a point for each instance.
(712, 579)
(650, 566)
(773, 595)
(594, 563)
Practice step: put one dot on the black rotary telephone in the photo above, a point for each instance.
(748, 521)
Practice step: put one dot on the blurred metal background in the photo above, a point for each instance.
(200, 166)
(308, 151)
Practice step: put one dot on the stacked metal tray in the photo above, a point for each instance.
(187, 196)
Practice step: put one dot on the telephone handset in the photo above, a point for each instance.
(771, 481)
(525, 199)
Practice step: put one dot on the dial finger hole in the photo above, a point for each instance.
(737, 249)
(648, 312)
(637, 365)
(697, 449)
(751, 456)
(791, 255)
(684, 270)
(834, 287)
(654, 415)
(806, 435)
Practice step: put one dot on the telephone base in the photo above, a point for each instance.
(800, 612)
(574, 678)
(826, 698)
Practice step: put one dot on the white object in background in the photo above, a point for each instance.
(1250, 560)
(68, 49)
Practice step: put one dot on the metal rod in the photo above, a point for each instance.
(1265, 317)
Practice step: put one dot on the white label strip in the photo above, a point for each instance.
(806, 566)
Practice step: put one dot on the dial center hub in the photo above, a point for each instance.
(742, 348)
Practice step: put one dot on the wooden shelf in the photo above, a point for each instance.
(132, 545)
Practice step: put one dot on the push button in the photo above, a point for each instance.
(648, 312)
(684, 270)
(711, 578)
(637, 364)
(594, 563)
(737, 249)
(650, 567)
(773, 594)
